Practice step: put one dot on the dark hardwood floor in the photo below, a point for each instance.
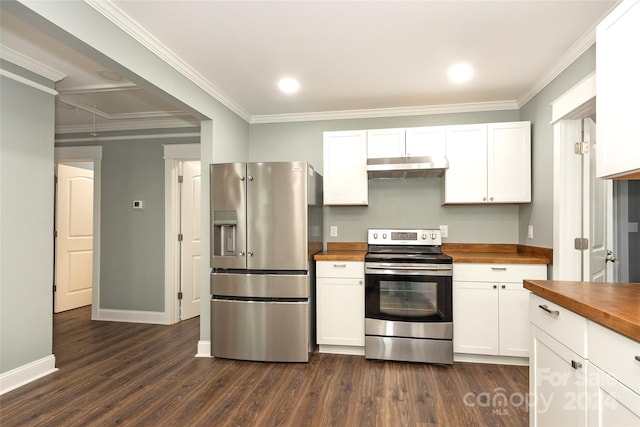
(136, 375)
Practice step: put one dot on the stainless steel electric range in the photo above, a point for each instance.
(408, 297)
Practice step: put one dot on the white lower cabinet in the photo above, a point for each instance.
(580, 373)
(611, 403)
(490, 308)
(340, 306)
(556, 383)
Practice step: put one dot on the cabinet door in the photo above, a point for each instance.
(618, 65)
(475, 317)
(556, 383)
(426, 141)
(345, 168)
(509, 162)
(466, 179)
(340, 311)
(514, 320)
(384, 143)
(611, 404)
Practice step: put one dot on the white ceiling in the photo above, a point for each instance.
(370, 57)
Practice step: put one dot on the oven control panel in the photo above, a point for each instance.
(377, 236)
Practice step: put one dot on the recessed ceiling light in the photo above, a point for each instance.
(460, 73)
(110, 75)
(288, 85)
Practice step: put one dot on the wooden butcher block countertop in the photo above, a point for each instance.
(614, 305)
(497, 253)
(460, 252)
(343, 251)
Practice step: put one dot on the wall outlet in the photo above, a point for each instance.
(444, 230)
(530, 232)
(334, 231)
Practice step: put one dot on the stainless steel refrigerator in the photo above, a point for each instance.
(266, 225)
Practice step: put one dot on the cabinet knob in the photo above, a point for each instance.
(250, 253)
(484, 199)
(576, 365)
(495, 286)
(491, 199)
(340, 265)
(638, 358)
(504, 286)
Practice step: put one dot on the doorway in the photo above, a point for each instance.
(82, 264)
(73, 269)
(183, 225)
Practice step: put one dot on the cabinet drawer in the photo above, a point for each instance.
(499, 272)
(354, 269)
(562, 324)
(615, 354)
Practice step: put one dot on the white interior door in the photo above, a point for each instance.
(598, 210)
(191, 239)
(74, 242)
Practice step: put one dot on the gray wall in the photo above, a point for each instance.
(392, 203)
(538, 110)
(26, 223)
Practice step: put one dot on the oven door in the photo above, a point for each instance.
(409, 295)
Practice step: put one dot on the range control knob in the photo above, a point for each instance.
(424, 236)
(433, 236)
(384, 236)
(375, 236)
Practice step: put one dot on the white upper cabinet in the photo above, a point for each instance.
(345, 168)
(466, 179)
(406, 143)
(618, 87)
(488, 163)
(426, 141)
(384, 143)
(509, 162)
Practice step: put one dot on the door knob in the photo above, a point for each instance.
(611, 257)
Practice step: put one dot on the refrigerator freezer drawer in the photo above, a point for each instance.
(261, 285)
(260, 331)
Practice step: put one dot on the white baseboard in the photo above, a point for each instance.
(133, 316)
(341, 349)
(496, 360)
(204, 349)
(24, 374)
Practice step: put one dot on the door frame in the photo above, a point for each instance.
(91, 154)
(567, 112)
(173, 155)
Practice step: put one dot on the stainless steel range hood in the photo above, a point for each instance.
(409, 167)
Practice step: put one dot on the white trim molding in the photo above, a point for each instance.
(386, 112)
(25, 374)
(576, 102)
(174, 154)
(28, 63)
(28, 82)
(132, 316)
(204, 349)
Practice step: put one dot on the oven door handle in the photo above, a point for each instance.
(410, 272)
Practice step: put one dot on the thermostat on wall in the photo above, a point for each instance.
(138, 204)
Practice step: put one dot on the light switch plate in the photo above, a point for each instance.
(444, 231)
(334, 231)
(530, 232)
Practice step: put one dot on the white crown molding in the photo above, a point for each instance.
(573, 53)
(130, 125)
(30, 64)
(116, 87)
(130, 137)
(124, 22)
(386, 112)
(28, 82)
